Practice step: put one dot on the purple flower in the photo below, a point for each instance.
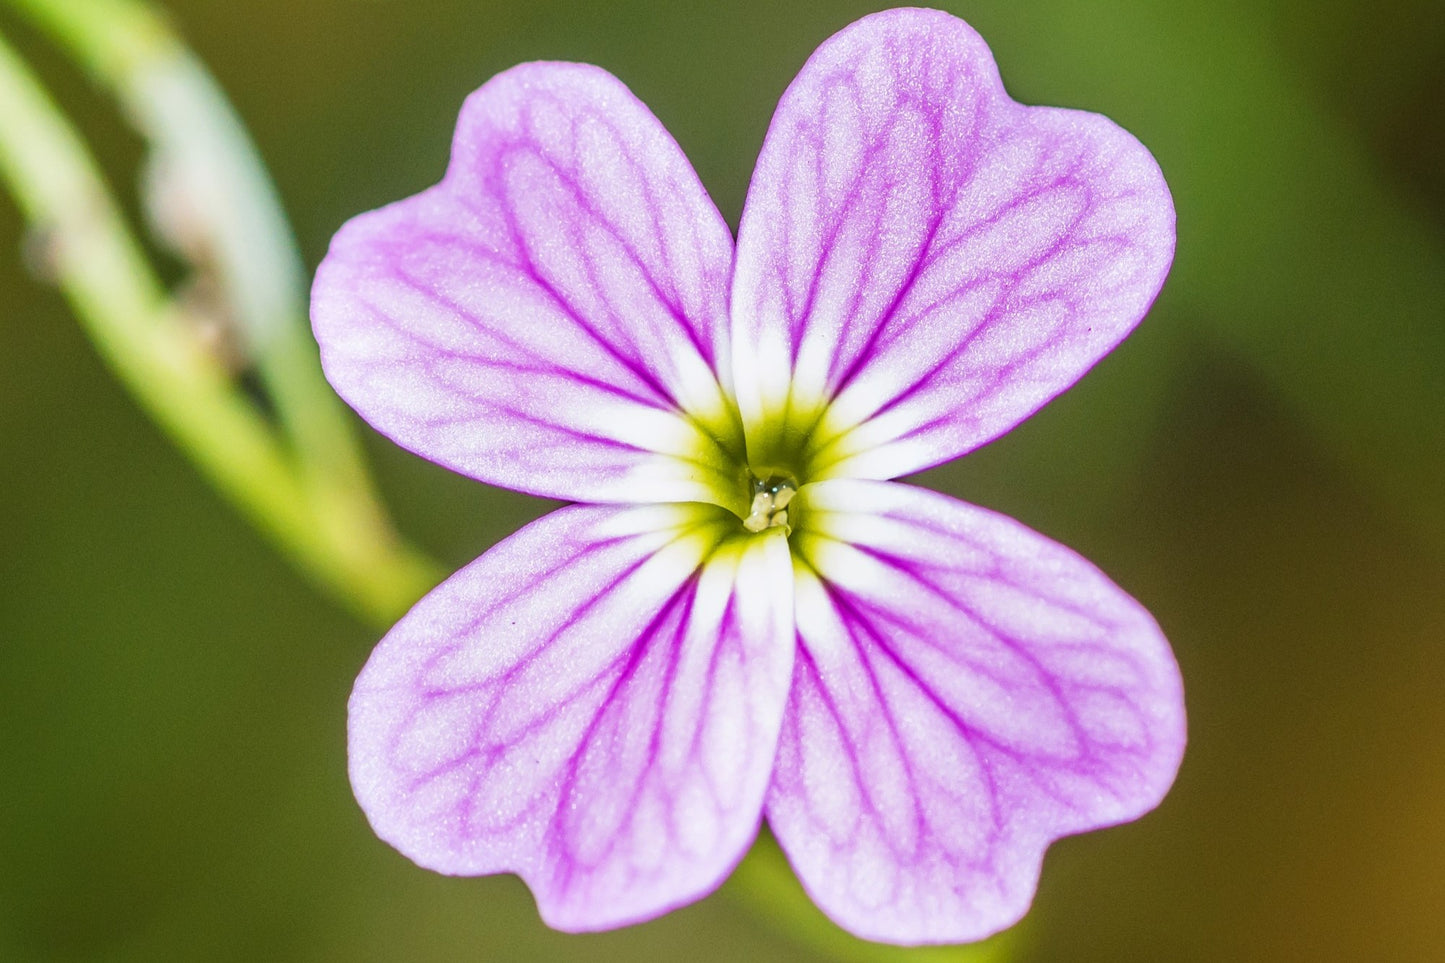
(742, 616)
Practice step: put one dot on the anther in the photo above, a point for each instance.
(770, 503)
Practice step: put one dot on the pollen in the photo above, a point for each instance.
(769, 507)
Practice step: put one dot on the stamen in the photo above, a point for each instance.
(770, 502)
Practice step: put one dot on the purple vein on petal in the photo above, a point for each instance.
(665, 299)
(656, 395)
(629, 360)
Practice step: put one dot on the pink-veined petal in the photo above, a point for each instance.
(922, 262)
(966, 691)
(552, 316)
(593, 704)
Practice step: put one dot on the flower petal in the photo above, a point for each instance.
(922, 262)
(551, 317)
(965, 693)
(593, 704)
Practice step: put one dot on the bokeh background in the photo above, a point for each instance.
(1262, 464)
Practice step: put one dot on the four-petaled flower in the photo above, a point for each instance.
(743, 615)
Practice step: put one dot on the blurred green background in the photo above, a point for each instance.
(1262, 464)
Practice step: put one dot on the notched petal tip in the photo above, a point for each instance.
(552, 316)
(925, 261)
(966, 693)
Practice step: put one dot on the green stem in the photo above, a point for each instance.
(219, 208)
(222, 210)
(144, 336)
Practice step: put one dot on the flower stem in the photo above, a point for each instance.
(216, 202)
(154, 347)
